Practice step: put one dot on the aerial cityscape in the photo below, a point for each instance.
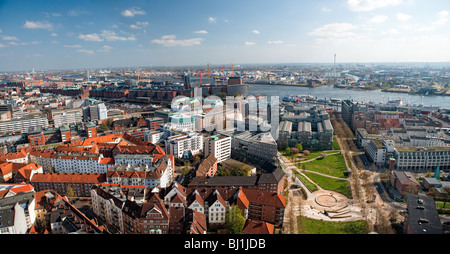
(252, 118)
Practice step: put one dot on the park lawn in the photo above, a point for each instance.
(311, 186)
(317, 154)
(311, 226)
(332, 165)
(341, 186)
(335, 144)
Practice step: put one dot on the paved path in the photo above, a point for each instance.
(309, 207)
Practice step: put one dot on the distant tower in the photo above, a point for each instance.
(187, 81)
(334, 67)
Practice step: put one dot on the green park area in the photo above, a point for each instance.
(332, 165)
(311, 226)
(327, 183)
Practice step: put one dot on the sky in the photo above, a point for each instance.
(82, 34)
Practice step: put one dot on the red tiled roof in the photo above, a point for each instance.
(257, 227)
(68, 178)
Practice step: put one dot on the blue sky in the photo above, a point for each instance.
(105, 33)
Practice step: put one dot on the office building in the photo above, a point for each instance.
(218, 145)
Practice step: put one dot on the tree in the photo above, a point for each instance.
(299, 147)
(306, 152)
(196, 160)
(234, 221)
(288, 151)
(70, 193)
(104, 127)
(445, 195)
(186, 168)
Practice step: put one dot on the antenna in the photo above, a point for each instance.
(334, 67)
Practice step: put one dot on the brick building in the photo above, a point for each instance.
(80, 183)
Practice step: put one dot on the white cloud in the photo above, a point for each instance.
(275, 42)
(112, 36)
(201, 32)
(105, 35)
(90, 37)
(76, 13)
(132, 12)
(378, 19)
(171, 41)
(54, 34)
(370, 5)
(105, 49)
(335, 30)
(403, 17)
(325, 9)
(46, 14)
(256, 32)
(249, 43)
(73, 46)
(139, 25)
(212, 20)
(86, 51)
(390, 32)
(442, 18)
(38, 25)
(2, 45)
(10, 38)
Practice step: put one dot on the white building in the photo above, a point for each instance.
(23, 124)
(107, 205)
(422, 159)
(153, 136)
(98, 112)
(184, 145)
(134, 159)
(182, 122)
(216, 209)
(158, 175)
(67, 116)
(376, 151)
(17, 213)
(79, 164)
(219, 146)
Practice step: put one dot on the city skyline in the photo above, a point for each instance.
(95, 34)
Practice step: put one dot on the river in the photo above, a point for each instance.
(327, 92)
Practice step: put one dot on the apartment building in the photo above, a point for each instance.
(80, 164)
(157, 173)
(17, 213)
(107, 202)
(66, 116)
(254, 147)
(98, 112)
(309, 126)
(81, 183)
(24, 124)
(218, 145)
(422, 159)
(184, 145)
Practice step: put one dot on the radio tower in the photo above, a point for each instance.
(334, 68)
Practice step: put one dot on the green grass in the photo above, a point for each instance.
(336, 144)
(311, 226)
(341, 186)
(317, 154)
(440, 204)
(311, 186)
(333, 165)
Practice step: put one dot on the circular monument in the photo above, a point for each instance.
(326, 200)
